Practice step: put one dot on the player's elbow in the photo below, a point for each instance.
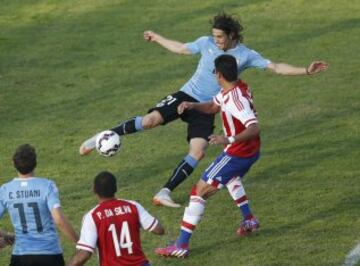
(158, 230)
(255, 130)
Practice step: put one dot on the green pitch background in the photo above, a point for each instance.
(69, 69)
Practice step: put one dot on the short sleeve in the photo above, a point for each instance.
(241, 109)
(217, 99)
(196, 46)
(88, 235)
(53, 200)
(2, 203)
(147, 221)
(254, 59)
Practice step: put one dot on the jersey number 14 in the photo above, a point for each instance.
(125, 239)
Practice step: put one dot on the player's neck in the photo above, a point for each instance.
(101, 200)
(228, 85)
(31, 174)
(232, 45)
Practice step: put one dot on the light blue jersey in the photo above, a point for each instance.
(203, 85)
(29, 202)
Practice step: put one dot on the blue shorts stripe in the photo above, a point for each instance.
(225, 167)
(218, 166)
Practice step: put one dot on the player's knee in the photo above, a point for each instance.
(151, 120)
(198, 154)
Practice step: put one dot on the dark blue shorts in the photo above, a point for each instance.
(225, 167)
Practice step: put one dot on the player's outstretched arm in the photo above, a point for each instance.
(64, 225)
(290, 70)
(171, 45)
(80, 258)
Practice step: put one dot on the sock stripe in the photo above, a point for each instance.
(186, 229)
(187, 225)
(241, 200)
(177, 171)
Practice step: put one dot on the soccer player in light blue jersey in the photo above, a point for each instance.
(226, 38)
(34, 208)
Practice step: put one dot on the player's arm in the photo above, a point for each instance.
(147, 221)
(251, 132)
(158, 229)
(80, 258)
(286, 69)
(208, 107)
(64, 225)
(171, 45)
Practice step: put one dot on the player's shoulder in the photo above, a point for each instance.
(206, 40)
(240, 91)
(129, 202)
(43, 181)
(244, 50)
(7, 184)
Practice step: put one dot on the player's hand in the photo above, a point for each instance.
(150, 36)
(316, 67)
(185, 106)
(9, 239)
(218, 139)
(2, 242)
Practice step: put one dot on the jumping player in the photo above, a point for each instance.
(226, 39)
(113, 226)
(242, 147)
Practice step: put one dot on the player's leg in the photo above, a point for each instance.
(200, 127)
(139, 123)
(237, 192)
(192, 216)
(132, 125)
(214, 178)
(37, 260)
(187, 165)
(164, 112)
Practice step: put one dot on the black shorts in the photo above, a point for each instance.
(200, 125)
(37, 260)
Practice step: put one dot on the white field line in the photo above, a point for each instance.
(353, 257)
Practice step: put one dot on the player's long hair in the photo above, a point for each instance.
(229, 24)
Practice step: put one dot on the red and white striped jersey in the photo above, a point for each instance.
(237, 113)
(113, 227)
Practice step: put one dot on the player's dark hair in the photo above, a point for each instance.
(227, 66)
(24, 159)
(105, 184)
(229, 24)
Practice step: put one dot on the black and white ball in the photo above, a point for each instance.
(108, 143)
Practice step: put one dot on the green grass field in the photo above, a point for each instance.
(69, 69)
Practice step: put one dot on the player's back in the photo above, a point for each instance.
(29, 202)
(118, 229)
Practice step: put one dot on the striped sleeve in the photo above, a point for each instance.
(147, 221)
(240, 108)
(217, 99)
(88, 235)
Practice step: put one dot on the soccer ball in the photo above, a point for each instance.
(107, 143)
